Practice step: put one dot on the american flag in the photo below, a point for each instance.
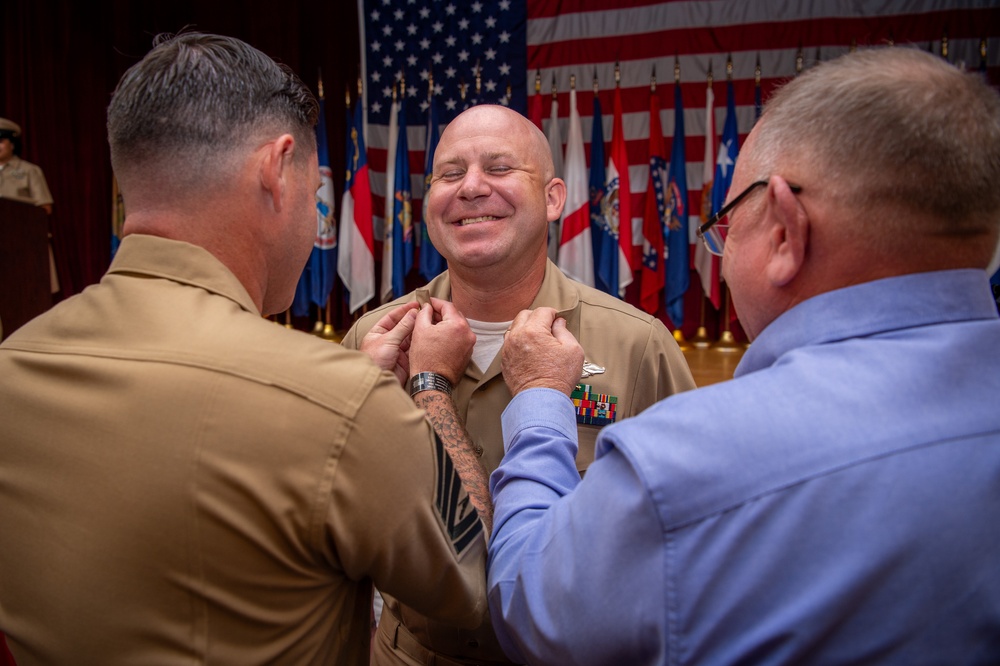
(475, 50)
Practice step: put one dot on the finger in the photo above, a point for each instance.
(542, 318)
(395, 315)
(426, 316)
(401, 330)
(561, 333)
(446, 309)
(520, 319)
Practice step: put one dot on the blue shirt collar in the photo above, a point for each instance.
(895, 303)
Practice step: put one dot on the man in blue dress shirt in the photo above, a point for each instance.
(839, 500)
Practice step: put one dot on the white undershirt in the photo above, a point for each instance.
(489, 339)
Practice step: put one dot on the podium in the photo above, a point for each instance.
(24, 264)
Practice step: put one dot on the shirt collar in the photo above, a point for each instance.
(879, 306)
(184, 263)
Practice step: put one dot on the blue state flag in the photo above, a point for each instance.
(678, 275)
(431, 261)
(605, 267)
(729, 148)
(323, 260)
(402, 211)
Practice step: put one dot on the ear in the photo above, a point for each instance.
(274, 168)
(555, 198)
(788, 232)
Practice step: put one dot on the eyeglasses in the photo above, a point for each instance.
(713, 233)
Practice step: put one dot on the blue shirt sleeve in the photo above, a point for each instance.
(571, 581)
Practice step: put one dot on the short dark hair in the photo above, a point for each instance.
(195, 98)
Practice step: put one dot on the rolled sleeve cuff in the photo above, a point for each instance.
(538, 407)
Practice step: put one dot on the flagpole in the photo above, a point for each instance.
(328, 331)
(726, 342)
(701, 339)
(678, 333)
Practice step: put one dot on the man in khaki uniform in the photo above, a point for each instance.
(183, 481)
(21, 180)
(492, 195)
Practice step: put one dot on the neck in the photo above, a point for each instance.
(486, 296)
(215, 229)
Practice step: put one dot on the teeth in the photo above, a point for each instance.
(476, 220)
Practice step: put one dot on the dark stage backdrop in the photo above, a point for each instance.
(60, 61)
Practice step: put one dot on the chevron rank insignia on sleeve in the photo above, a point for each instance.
(594, 408)
(461, 519)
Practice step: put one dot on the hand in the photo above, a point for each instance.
(389, 339)
(442, 341)
(540, 352)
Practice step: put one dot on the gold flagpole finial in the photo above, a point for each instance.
(982, 51)
(509, 92)
(944, 45)
(538, 81)
(729, 67)
(359, 87)
(555, 91)
(618, 74)
(347, 97)
(479, 80)
(572, 81)
(430, 84)
(595, 82)
(710, 73)
(652, 80)
(854, 45)
(798, 61)
(319, 87)
(756, 71)
(677, 69)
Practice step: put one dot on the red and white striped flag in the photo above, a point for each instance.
(704, 262)
(356, 248)
(620, 195)
(576, 251)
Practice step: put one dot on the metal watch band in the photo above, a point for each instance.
(429, 381)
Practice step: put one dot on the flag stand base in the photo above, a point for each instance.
(329, 333)
(681, 342)
(727, 343)
(701, 339)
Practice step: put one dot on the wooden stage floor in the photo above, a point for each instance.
(710, 366)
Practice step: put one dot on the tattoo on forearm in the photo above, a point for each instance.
(441, 412)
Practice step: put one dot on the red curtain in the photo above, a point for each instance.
(60, 62)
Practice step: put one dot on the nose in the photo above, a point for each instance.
(474, 184)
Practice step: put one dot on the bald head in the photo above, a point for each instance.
(501, 121)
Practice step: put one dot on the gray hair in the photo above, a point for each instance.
(892, 129)
(196, 100)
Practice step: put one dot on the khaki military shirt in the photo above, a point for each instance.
(23, 181)
(183, 481)
(640, 363)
